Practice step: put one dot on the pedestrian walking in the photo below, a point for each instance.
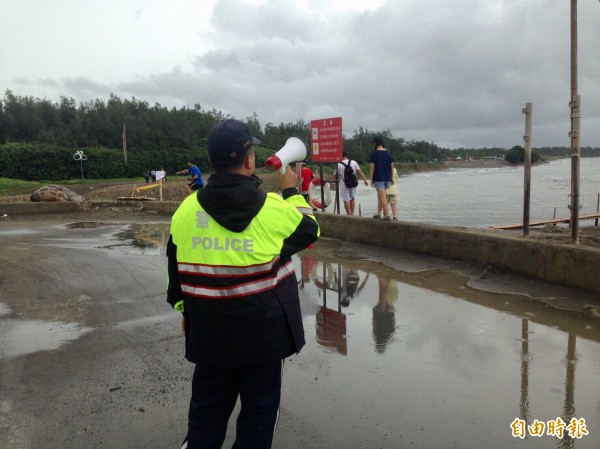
(382, 164)
(346, 171)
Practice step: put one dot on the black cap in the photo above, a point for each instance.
(228, 141)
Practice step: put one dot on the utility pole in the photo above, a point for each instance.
(528, 110)
(124, 145)
(574, 104)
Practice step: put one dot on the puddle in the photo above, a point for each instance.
(421, 359)
(31, 336)
(147, 238)
(17, 232)
(90, 224)
(140, 238)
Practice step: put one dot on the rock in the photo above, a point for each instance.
(548, 227)
(55, 193)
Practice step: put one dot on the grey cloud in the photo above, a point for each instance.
(47, 82)
(240, 21)
(82, 87)
(459, 75)
(23, 81)
(81, 83)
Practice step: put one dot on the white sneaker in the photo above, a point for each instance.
(184, 445)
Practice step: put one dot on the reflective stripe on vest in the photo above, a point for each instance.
(245, 289)
(225, 271)
(214, 262)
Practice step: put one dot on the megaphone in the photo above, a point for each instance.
(293, 151)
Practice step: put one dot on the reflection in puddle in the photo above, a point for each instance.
(141, 238)
(27, 337)
(384, 313)
(149, 238)
(90, 224)
(425, 358)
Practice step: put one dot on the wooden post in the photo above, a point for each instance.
(597, 208)
(161, 191)
(527, 194)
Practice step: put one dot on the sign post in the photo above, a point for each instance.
(326, 143)
(79, 156)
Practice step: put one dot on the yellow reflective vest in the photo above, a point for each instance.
(238, 290)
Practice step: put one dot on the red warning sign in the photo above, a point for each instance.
(326, 140)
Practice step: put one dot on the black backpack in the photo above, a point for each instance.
(349, 177)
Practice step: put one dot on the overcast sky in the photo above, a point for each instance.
(457, 73)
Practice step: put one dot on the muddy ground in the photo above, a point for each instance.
(174, 189)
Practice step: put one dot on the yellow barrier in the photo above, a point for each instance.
(151, 186)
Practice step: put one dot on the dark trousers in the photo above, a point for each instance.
(214, 395)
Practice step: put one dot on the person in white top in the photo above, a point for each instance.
(347, 194)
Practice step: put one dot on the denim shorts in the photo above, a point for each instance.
(382, 184)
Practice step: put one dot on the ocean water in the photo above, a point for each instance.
(482, 197)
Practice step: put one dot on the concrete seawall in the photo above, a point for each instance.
(563, 264)
(569, 265)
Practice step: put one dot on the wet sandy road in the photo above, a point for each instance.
(402, 351)
(90, 354)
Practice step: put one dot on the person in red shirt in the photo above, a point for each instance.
(307, 175)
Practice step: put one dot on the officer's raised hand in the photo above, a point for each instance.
(288, 179)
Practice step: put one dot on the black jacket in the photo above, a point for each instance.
(247, 329)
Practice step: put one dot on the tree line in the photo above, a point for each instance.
(38, 138)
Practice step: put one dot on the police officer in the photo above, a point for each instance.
(231, 276)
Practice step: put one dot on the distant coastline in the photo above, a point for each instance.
(405, 168)
(488, 163)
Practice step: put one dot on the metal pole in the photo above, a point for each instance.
(322, 188)
(324, 282)
(337, 194)
(79, 156)
(575, 126)
(527, 193)
(575, 176)
(339, 286)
